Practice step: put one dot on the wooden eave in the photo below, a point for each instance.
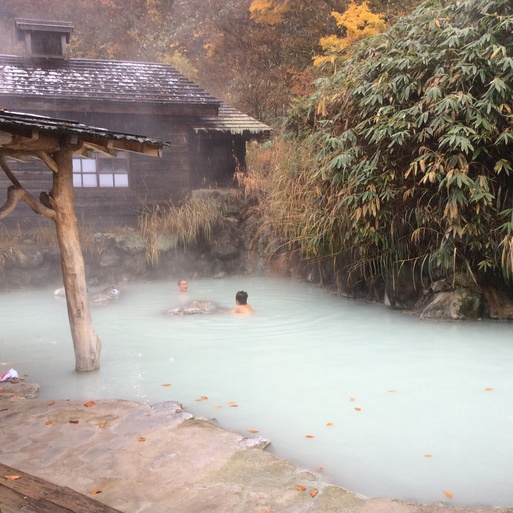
(23, 135)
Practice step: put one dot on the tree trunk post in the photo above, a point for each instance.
(85, 341)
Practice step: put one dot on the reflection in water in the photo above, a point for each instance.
(393, 406)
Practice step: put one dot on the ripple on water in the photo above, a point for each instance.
(392, 406)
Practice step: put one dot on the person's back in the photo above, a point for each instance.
(241, 298)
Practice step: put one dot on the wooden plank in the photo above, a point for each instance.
(12, 500)
(32, 494)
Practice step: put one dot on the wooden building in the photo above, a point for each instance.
(206, 137)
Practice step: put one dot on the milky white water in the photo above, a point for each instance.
(397, 407)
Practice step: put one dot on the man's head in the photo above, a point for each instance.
(182, 285)
(241, 297)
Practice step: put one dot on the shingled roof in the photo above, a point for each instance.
(99, 80)
(232, 121)
(30, 126)
(123, 86)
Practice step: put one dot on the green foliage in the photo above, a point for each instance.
(409, 146)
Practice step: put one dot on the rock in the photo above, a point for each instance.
(107, 295)
(460, 304)
(254, 442)
(224, 252)
(17, 388)
(195, 307)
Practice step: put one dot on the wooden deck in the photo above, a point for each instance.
(31, 494)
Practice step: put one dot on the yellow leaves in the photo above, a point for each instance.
(428, 455)
(358, 23)
(448, 494)
(269, 12)
(329, 424)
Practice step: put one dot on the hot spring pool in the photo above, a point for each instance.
(386, 404)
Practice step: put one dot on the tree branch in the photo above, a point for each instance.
(9, 173)
(15, 194)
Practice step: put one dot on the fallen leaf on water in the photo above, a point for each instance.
(48, 422)
(94, 492)
(448, 494)
(358, 409)
(73, 421)
(352, 399)
(12, 477)
(329, 424)
(309, 436)
(204, 397)
(234, 405)
(252, 430)
(314, 492)
(320, 468)
(142, 439)
(391, 390)
(231, 402)
(89, 404)
(489, 389)
(217, 406)
(428, 456)
(101, 425)
(51, 403)
(166, 384)
(301, 488)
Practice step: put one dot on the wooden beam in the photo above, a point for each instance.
(48, 160)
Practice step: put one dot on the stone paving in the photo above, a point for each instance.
(158, 459)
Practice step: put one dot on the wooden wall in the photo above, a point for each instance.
(191, 161)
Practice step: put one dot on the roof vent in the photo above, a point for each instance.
(42, 38)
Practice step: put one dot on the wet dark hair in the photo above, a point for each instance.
(180, 281)
(241, 297)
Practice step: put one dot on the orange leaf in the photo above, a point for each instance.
(231, 402)
(73, 421)
(268, 511)
(252, 430)
(101, 425)
(309, 436)
(314, 492)
(12, 477)
(352, 399)
(489, 389)
(428, 456)
(94, 492)
(300, 488)
(358, 409)
(166, 385)
(48, 422)
(89, 404)
(320, 468)
(204, 397)
(234, 405)
(437, 22)
(142, 439)
(51, 403)
(390, 390)
(448, 494)
(217, 406)
(329, 424)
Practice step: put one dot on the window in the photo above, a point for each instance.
(101, 171)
